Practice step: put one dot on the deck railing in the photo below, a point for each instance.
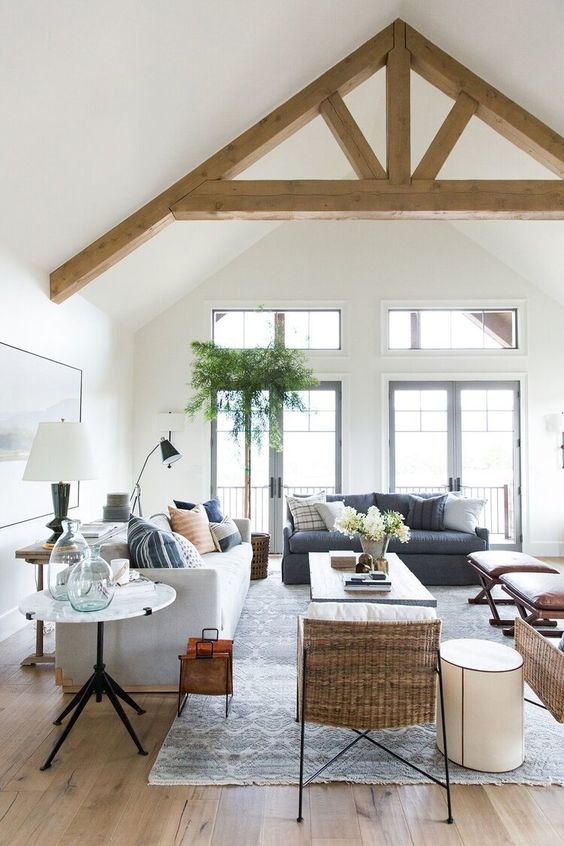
(497, 516)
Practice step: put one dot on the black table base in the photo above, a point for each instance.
(98, 684)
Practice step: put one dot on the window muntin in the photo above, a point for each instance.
(314, 329)
(452, 329)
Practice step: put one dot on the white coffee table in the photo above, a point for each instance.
(42, 606)
(327, 584)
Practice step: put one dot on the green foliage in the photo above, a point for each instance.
(251, 386)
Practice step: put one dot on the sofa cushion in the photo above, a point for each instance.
(305, 515)
(398, 501)
(212, 506)
(330, 511)
(322, 542)
(462, 513)
(361, 502)
(225, 534)
(190, 554)
(194, 525)
(427, 513)
(438, 543)
(368, 612)
(151, 547)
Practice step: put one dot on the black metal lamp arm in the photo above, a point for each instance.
(135, 497)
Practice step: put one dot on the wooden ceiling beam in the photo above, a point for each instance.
(444, 141)
(350, 138)
(234, 158)
(374, 200)
(494, 108)
(398, 108)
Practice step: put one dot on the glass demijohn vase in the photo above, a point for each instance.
(70, 549)
(91, 586)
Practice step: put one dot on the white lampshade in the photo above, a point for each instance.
(60, 452)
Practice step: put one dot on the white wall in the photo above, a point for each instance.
(358, 265)
(78, 334)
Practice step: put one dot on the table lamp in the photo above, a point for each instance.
(60, 450)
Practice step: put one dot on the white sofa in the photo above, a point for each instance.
(142, 653)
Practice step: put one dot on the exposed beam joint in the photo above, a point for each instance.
(350, 138)
(398, 130)
(238, 155)
(443, 143)
(374, 200)
(494, 108)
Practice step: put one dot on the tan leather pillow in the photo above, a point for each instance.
(193, 525)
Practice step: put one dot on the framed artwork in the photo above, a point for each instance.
(33, 390)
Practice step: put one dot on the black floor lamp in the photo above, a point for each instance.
(169, 455)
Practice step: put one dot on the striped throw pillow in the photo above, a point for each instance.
(428, 514)
(149, 546)
(225, 534)
(193, 525)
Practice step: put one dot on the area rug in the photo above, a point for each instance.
(259, 742)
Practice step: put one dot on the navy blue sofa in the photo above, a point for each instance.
(436, 558)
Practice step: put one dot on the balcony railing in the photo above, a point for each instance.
(497, 516)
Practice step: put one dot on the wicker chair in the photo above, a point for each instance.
(367, 676)
(543, 668)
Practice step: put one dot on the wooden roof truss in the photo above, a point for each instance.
(381, 191)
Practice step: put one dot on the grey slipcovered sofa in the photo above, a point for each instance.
(436, 558)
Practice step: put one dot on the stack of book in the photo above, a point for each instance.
(99, 530)
(367, 582)
(138, 585)
(343, 559)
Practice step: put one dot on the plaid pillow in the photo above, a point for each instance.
(305, 515)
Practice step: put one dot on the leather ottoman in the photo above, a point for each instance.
(539, 598)
(490, 565)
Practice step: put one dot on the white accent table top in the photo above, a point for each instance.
(44, 607)
(484, 656)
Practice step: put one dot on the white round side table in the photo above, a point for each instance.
(42, 606)
(483, 701)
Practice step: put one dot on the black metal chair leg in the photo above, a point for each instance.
(79, 709)
(450, 819)
(119, 691)
(123, 716)
(302, 738)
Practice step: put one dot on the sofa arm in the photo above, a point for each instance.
(484, 534)
(244, 526)
(287, 534)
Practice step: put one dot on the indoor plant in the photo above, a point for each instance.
(375, 528)
(251, 387)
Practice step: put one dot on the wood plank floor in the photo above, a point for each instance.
(96, 793)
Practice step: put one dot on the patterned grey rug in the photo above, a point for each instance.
(259, 742)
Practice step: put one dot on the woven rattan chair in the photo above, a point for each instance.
(368, 676)
(543, 668)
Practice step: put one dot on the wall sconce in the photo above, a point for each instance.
(172, 421)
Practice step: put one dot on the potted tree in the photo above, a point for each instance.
(251, 387)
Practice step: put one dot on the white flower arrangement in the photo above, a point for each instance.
(375, 525)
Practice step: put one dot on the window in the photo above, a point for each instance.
(452, 329)
(299, 329)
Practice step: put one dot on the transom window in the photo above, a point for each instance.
(452, 329)
(297, 328)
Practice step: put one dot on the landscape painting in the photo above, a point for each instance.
(33, 390)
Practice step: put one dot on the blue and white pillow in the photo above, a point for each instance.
(192, 557)
(225, 534)
(150, 546)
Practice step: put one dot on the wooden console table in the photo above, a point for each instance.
(37, 555)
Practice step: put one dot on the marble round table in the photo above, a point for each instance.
(42, 606)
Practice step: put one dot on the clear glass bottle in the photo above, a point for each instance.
(70, 549)
(91, 586)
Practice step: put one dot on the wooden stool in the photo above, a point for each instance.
(539, 598)
(490, 566)
(206, 669)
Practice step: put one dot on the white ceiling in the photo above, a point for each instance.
(105, 104)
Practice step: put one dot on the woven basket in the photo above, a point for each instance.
(260, 542)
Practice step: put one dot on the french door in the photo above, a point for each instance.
(460, 436)
(310, 461)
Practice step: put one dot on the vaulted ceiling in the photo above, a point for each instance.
(111, 102)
